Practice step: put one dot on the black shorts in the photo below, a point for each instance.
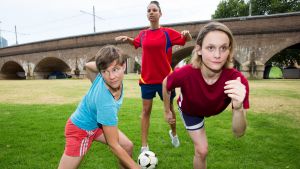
(149, 91)
(191, 122)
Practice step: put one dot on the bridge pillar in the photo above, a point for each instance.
(29, 71)
(253, 70)
(260, 68)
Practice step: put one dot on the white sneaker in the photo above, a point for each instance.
(174, 139)
(144, 148)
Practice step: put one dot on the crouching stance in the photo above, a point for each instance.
(208, 85)
(95, 118)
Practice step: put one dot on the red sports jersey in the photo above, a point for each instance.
(157, 53)
(197, 97)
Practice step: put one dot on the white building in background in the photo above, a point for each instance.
(3, 42)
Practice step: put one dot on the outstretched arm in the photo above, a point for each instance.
(125, 39)
(166, 98)
(91, 70)
(112, 138)
(237, 92)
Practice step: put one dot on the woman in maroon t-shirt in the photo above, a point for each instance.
(208, 85)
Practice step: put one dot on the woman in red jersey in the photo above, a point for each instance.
(156, 43)
(208, 85)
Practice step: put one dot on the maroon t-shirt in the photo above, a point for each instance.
(197, 97)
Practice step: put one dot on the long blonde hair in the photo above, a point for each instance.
(196, 60)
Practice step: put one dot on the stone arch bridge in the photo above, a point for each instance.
(258, 39)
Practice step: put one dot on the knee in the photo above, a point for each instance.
(239, 132)
(146, 112)
(201, 152)
(147, 107)
(128, 146)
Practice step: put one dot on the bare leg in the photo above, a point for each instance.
(200, 146)
(173, 126)
(68, 162)
(125, 143)
(145, 121)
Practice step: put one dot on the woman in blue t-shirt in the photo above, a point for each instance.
(95, 118)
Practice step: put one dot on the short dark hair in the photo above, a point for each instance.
(108, 54)
(156, 3)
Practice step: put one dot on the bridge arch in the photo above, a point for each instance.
(268, 64)
(288, 43)
(12, 70)
(258, 39)
(181, 54)
(49, 65)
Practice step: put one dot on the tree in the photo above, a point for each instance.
(266, 7)
(231, 8)
(236, 8)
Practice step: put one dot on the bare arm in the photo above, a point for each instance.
(166, 98)
(239, 122)
(91, 70)
(112, 138)
(237, 92)
(125, 39)
(187, 35)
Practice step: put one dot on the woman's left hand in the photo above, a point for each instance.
(236, 91)
(187, 34)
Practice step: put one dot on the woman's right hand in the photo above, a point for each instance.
(122, 38)
(169, 117)
(187, 35)
(125, 39)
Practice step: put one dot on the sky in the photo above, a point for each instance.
(38, 20)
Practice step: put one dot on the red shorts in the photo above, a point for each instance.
(78, 141)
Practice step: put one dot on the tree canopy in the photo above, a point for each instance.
(237, 8)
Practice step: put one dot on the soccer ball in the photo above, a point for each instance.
(147, 160)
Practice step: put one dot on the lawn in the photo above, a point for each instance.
(33, 114)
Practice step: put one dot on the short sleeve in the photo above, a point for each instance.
(138, 40)
(176, 37)
(175, 79)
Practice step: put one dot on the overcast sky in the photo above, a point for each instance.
(38, 20)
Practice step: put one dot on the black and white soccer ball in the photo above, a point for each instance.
(147, 160)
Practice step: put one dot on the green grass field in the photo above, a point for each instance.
(33, 115)
(275, 73)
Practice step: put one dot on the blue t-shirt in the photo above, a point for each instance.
(97, 106)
